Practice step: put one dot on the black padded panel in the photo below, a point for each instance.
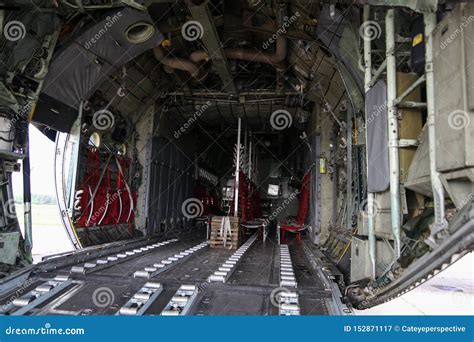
(79, 69)
(377, 138)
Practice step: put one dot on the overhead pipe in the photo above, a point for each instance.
(245, 54)
(281, 46)
(176, 63)
(191, 66)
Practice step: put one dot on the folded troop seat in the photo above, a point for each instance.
(297, 225)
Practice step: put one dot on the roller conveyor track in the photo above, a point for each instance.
(247, 291)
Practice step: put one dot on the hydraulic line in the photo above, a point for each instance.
(370, 196)
(27, 199)
(440, 223)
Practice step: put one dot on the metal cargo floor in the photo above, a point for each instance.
(248, 291)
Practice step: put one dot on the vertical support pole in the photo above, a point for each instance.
(335, 181)
(160, 173)
(171, 220)
(349, 170)
(75, 139)
(27, 197)
(168, 172)
(367, 53)
(246, 149)
(393, 129)
(2, 19)
(440, 222)
(315, 150)
(250, 157)
(370, 196)
(316, 236)
(237, 169)
(255, 163)
(149, 173)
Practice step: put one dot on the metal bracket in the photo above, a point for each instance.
(288, 304)
(393, 143)
(287, 275)
(429, 67)
(166, 264)
(225, 271)
(408, 142)
(39, 295)
(141, 301)
(99, 264)
(181, 302)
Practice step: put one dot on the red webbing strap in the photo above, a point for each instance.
(243, 194)
(96, 166)
(120, 176)
(121, 184)
(91, 176)
(108, 177)
(105, 198)
(129, 192)
(304, 199)
(91, 202)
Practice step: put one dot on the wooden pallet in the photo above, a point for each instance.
(233, 238)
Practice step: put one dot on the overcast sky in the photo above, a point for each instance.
(42, 166)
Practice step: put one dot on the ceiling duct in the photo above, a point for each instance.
(139, 32)
(78, 70)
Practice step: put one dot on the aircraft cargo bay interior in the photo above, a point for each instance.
(248, 157)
